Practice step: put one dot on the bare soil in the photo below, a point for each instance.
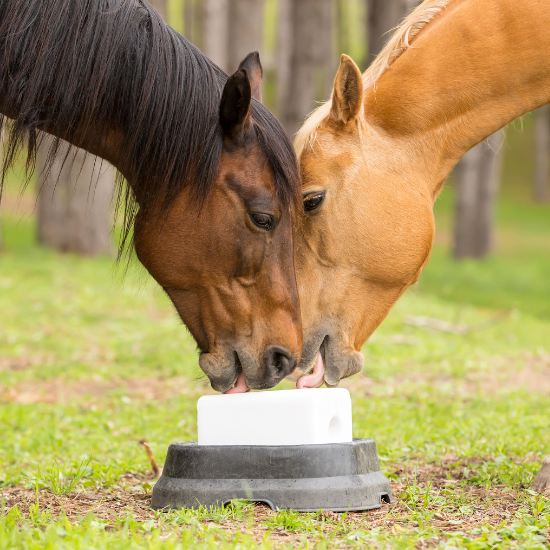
(486, 506)
(530, 371)
(61, 390)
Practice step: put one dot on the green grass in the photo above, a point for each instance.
(92, 361)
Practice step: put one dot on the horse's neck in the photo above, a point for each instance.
(478, 65)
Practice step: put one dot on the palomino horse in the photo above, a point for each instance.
(374, 158)
(212, 177)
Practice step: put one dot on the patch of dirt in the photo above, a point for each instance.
(21, 363)
(61, 390)
(531, 372)
(109, 505)
(495, 506)
(105, 503)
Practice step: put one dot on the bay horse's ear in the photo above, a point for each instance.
(235, 105)
(347, 96)
(255, 72)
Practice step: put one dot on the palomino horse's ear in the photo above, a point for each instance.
(255, 73)
(235, 105)
(347, 95)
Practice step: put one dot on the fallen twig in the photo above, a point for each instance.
(444, 326)
(157, 470)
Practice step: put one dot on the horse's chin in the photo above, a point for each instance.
(344, 364)
(222, 371)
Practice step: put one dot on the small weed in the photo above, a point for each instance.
(294, 522)
(55, 481)
(37, 517)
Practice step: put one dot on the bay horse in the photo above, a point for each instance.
(212, 177)
(374, 158)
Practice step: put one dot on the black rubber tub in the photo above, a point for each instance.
(305, 478)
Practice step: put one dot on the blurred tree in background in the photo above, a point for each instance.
(216, 32)
(246, 20)
(74, 202)
(309, 35)
(542, 153)
(477, 181)
(162, 7)
(383, 15)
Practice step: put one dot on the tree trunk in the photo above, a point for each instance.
(216, 31)
(198, 24)
(283, 55)
(245, 30)
(477, 181)
(188, 20)
(308, 67)
(326, 55)
(383, 16)
(341, 36)
(161, 6)
(193, 21)
(542, 480)
(74, 204)
(542, 153)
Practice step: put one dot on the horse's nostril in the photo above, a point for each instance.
(278, 362)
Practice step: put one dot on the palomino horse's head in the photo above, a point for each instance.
(228, 266)
(366, 231)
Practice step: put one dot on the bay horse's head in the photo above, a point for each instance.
(212, 176)
(367, 227)
(226, 259)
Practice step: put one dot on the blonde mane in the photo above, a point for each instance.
(400, 41)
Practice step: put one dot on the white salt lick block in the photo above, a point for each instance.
(284, 417)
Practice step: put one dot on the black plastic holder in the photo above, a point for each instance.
(305, 478)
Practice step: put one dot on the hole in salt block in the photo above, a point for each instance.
(334, 427)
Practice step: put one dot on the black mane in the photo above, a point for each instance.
(116, 63)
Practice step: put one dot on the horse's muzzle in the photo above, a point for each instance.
(339, 360)
(277, 363)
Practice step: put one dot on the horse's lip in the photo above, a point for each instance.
(238, 370)
(320, 349)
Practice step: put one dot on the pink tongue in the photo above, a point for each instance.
(316, 379)
(240, 386)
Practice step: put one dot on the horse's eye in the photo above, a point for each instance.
(313, 201)
(263, 221)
